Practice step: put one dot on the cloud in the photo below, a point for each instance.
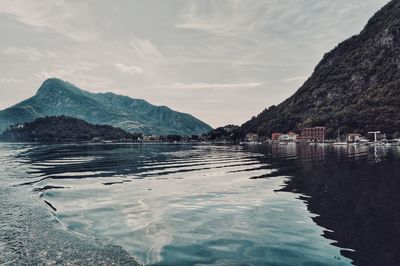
(218, 17)
(10, 80)
(68, 18)
(65, 71)
(147, 56)
(200, 85)
(128, 69)
(145, 49)
(80, 73)
(297, 79)
(31, 53)
(277, 18)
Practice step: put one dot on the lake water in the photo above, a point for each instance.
(194, 204)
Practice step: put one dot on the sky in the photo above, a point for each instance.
(222, 61)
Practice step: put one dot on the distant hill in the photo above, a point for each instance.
(56, 97)
(230, 133)
(62, 128)
(356, 86)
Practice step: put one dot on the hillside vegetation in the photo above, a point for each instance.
(62, 128)
(356, 86)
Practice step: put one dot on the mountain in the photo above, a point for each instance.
(228, 133)
(62, 128)
(356, 86)
(56, 97)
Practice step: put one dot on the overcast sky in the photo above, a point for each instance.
(222, 61)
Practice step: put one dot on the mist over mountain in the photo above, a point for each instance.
(57, 97)
(356, 86)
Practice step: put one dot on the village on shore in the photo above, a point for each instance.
(67, 129)
(319, 135)
(311, 135)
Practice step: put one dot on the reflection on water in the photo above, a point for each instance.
(355, 192)
(29, 235)
(219, 205)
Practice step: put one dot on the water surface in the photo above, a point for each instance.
(210, 205)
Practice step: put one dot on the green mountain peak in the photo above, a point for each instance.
(56, 97)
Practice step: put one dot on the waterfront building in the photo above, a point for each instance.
(312, 134)
(290, 136)
(354, 137)
(251, 137)
(276, 136)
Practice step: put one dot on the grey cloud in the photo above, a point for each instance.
(128, 69)
(30, 53)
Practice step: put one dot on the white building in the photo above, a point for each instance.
(290, 136)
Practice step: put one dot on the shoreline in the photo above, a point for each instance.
(354, 144)
(32, 235)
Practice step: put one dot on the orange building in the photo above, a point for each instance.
(276, 136)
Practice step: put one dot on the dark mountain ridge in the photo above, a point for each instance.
(63, 128)
(56, 97)
(355, 87)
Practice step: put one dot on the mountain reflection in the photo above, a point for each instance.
(353, 190)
